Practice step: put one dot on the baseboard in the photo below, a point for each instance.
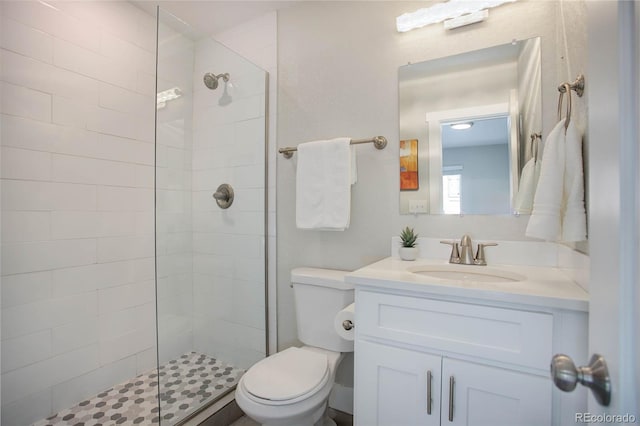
(341, 398)
(221, 413)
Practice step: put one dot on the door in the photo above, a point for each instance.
(393, 386)
(479, 395)
(613, 200)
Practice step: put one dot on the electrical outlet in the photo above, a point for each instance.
(418, 206)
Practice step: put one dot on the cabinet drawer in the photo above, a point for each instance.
(505, 335)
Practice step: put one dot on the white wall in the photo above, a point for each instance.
(338, 66)
(330, 87)
(78, 101)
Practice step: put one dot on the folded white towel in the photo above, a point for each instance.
(528, 183)
(574, 220)
(323, 185)
(545, 221)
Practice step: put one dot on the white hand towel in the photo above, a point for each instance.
(574, 220)
(528, 182)
(546, 221)
(323, 185)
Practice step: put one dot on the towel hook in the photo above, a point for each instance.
(577, 86)
(567, 90)
(535, 146)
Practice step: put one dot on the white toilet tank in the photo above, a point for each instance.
(319, 295)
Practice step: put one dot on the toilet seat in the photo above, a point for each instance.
(286, 377)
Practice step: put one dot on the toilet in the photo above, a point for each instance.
(292, 387)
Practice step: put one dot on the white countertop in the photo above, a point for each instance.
(543, 287)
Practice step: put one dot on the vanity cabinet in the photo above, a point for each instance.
(401, 387)
(429, 361)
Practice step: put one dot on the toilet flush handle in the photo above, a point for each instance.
(347, 325)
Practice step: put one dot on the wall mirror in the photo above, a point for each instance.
(468, 120)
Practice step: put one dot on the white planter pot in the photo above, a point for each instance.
(408, 253)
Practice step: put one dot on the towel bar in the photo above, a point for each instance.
(380, 142)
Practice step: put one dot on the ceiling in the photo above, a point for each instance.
(213, 17)
(485, 131)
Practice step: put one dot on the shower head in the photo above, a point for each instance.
(211, 80)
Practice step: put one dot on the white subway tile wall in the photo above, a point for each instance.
(229, 245)
(173, 195)
(77, 123)
(257, 40)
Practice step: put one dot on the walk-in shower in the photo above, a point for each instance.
(129, 296)
(210, 252)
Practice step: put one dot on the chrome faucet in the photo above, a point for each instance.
(466, 251)
(464, 254)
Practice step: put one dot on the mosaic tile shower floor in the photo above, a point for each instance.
(186, 383)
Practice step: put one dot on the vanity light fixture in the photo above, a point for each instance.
(457, 12)
(167, 95)
(461, 126)
(468, 19)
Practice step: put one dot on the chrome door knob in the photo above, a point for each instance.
(595, 376)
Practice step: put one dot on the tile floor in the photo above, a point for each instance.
(185, 384)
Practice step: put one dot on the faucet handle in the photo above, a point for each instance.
(455, 252)
(480, 259)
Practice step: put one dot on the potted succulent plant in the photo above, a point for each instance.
(408, 251)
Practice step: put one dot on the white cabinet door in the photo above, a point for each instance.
(391, 386)
(489, 396)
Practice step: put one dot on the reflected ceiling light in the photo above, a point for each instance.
(462, 12)
(461, 126)
(167, 95)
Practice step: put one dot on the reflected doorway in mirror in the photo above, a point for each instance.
(451, 177)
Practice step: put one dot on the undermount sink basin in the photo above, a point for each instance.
(467, 273)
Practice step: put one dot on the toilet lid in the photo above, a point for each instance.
(286, 375)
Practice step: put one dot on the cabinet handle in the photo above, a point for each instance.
(451, 384)
(429, 377)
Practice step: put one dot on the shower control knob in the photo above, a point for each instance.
(224, 196)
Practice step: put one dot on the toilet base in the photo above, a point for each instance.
(324, 420)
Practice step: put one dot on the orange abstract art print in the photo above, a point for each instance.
(409, 165)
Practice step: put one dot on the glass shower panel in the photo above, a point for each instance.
(211, 302)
